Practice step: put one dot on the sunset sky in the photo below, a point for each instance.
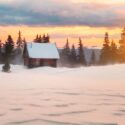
(88, 19)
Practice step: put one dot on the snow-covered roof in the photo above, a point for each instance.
(42, 50)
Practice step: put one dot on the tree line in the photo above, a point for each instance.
(111, 53)
(12, 52)
(72, 56)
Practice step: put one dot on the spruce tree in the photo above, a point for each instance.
(9, 46)
(122, 47)
(66, 49)
(65, 54)
(73, 56)
(19, 41)
(19, 49)
(114, 52)
(36, 40)
(105, 52)
(47, 38)
(44, 38)
(40, 39)
(81, 55)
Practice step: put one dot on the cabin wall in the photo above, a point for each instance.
(48, 62)
(40, 62)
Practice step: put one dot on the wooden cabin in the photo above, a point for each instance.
(40, 54)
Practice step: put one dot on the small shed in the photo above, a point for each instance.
(40, 54)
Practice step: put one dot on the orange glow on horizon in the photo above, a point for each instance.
(91, 36)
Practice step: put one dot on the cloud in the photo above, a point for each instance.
(62, 13)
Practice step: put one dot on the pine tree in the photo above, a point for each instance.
(19, 49)
(44, 38)
(114, 52)
(93, 58)
(73, 56)
(36, 40)
(40, 39)
(122, 47)
(81, 55)
(67, 48)
(9, 46)
(47, 38)
(19, 41)
(105, 52)
(65, 54)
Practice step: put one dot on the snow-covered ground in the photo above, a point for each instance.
(48, 96)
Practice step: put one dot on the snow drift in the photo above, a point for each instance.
(62, 96)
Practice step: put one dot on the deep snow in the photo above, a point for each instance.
(62, 96)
